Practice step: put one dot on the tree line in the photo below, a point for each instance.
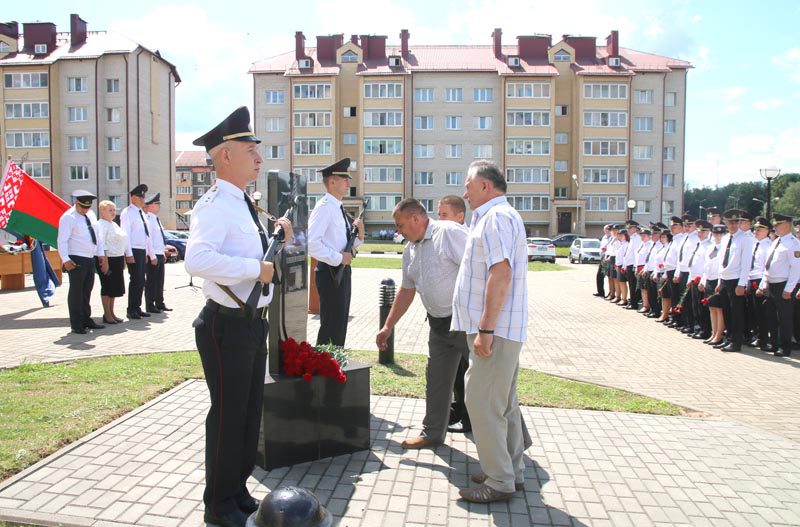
(750, 196)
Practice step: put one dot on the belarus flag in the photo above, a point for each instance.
(27, 207)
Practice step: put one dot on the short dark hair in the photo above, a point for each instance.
(487, 170)
(410, 206)
(457, 202)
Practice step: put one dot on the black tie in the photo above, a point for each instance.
(163, 238)
(680, 253)
(771, 254)
(141, 215)
(91, 231)
(753, 261)
(346, 222)
(696, 247)
(647, 260)
(261, 233)
(727, 251)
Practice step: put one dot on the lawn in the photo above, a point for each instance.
(396, 263)
(381, 247)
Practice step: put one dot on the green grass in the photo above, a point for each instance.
(377, 263)
(384, 247)
(562, 252)
(545, 266)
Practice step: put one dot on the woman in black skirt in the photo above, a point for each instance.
(112, 284)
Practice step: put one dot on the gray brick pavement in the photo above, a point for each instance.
(585, 468)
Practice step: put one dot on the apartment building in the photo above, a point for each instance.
(88, 109)
(579, 129)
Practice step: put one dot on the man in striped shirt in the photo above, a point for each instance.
(490, 304)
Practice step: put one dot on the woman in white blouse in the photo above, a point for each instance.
(112, 284)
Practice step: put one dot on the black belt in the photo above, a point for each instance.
(239, 312)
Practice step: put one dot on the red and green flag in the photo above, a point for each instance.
(27, 207)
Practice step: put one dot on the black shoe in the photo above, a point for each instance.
(732, 347)
(134, 315)
(598, 294)
(229, 519)
(721, 344)
(162, 307)
(687, 330)
(80, 331)
(782, 353)
(143, 314)
(755, 343)
(769, 348)
(93, 325)
(462, 427)
(248, 504)
(153, 309)
(699, 336)
(112, 321)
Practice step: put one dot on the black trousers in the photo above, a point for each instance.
(755, 325)
(81, 282)
(779, 317)
(796, 315)
(702, 317)
(633, 293)
(154, 283)
(233, 351)
(652, 294)
(459, 410)
(676, 290)
(136, 285)
(600, 280)
(733, 311)
(334, 304)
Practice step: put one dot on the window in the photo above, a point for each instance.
(4, 47)
(423, 151)
(668, 207)
(529, 202)
(113, 173)
(311, 119)
(643, 96)
(643, 152)
(561, 166)
(273, 96)
(382, 174)
(605, 91)
(27, 110)
(312, 147)
(383, 146)
(528, 175)
(453, 178)
(349, 139)
(642, 179)
(25, 80)
(561, 192)
(200, 178)
(670, 98)
(605, 203)
(452, 122)
(423, 94)
(562, 138)
(562, 56)
(423, 122)
(382, 202)
(668, 180)
(278, 124)
(483, 122)
(528, 147)
(349, 111)
(528, 90)
(643, 124)
(453, 151)
(600, 147)
(669, 126)
(423, 178)
(112, 115)
(482, 94)
(78, 143)
(605, 119)
(76, 84)
(114, 144)
(183, 204)
(78, 173)
(561, 110)
(669, 153)
(643, 206)
(604, 175)
(310, 173)
(482, 151)
(77, 114)
(182, 190)
(528, 118)
(383, 90)
(349, 56)
(274, 151)
(453, 94)
(312, 91)
(384, 118)
(37, 169)
(27, 139)
(428, 204)
(112, 85)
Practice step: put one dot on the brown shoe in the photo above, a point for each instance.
(480, 477)
(415, 443)
(485, 494)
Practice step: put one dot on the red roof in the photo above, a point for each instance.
(190, 158)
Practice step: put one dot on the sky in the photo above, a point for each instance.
(743, 103)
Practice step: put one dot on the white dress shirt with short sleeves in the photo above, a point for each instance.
(132, 222)
(327, 231)
(74, 237)
(785, 264)
(114, 238)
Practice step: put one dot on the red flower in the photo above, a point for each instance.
(704, 301)
(307, 377)
(696, 279)
(303, 360)
(660, 266)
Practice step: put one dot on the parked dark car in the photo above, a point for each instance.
(564, 240)
(178, 243)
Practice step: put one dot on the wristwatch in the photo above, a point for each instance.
(486, 331)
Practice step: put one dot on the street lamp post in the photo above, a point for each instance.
(769, 174)
(577, 206)
(762, 203)
(735, 201)
(631, 206)
(700, 208)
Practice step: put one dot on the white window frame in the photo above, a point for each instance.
(642, 179)
(562, 55)
(274, 97)
(670, 126)
(452, 122)
(78, 143)
(561, 165)
(562, 138)
(529, 202)
(605, 202)
(383, 90)
(670, 153)
(528, 90)
(26, 80)
(668, 180)
(605, 91)
(77, 114)
(77, 84)
(482, 95)
(275, 124)
(528, 118)
(482, 151)
(643, 124)
(643, 206)
(78, 172)
(423, 122)
(375, 118)
(311, 173)
(112, 85)
(382, 202)
(114, 173)
(383, 146)
(600, 175)
(315, 90)
(643, 152)
(311, 119)
(454, 179)
(605, 147)
(383, 174)
(670, 99)
(113, 115)
(311, 146)
(643, 96)
(454, 95)
(274, 152)
(423, 178)
(114, 144)
(562, 110)
(424, 94)
(482, 122)
(26, 110)
(424, 151)
(349, 139)
(349, 57)
(37, 169)
(605, 119)
(668, 207)
(537, 146)
(528, 175)
(27, 139)
(453, 151)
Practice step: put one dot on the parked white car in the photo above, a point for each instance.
(541, 249)
(584, 250)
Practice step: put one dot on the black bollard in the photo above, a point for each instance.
(386, 300)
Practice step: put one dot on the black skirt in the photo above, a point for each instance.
(113, 283)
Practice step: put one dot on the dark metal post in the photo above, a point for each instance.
(769, 197)
(386, 300)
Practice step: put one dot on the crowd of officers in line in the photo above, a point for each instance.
(729, 280)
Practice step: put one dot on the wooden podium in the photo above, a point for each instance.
(14, 267)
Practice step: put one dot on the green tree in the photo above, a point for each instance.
(789, 202)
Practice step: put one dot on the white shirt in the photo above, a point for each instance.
(671, 259)
(761, 249)
(685, 250)
(604, 245)
(621, 249)
(327, 231)
(661, 258)
(132, 222)
(633, 248)
(114, 238)
(156, 233)
(74, 237)
(612, 247)
(224, 246)
(739, 247)
(651, 256)
(785, 264)
(496, 233)
(711, 264)
(697, 260)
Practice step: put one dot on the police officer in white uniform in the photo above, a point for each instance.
(226, 245)
(79, 243)
(139, 252)
(154, 274)
(737, 257)
(328, 231)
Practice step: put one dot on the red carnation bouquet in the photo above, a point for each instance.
(304, 360)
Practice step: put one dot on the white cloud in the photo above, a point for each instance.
(790, 61)
(767, 104)
(731, 97)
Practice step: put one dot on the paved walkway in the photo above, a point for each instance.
(585, 469)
